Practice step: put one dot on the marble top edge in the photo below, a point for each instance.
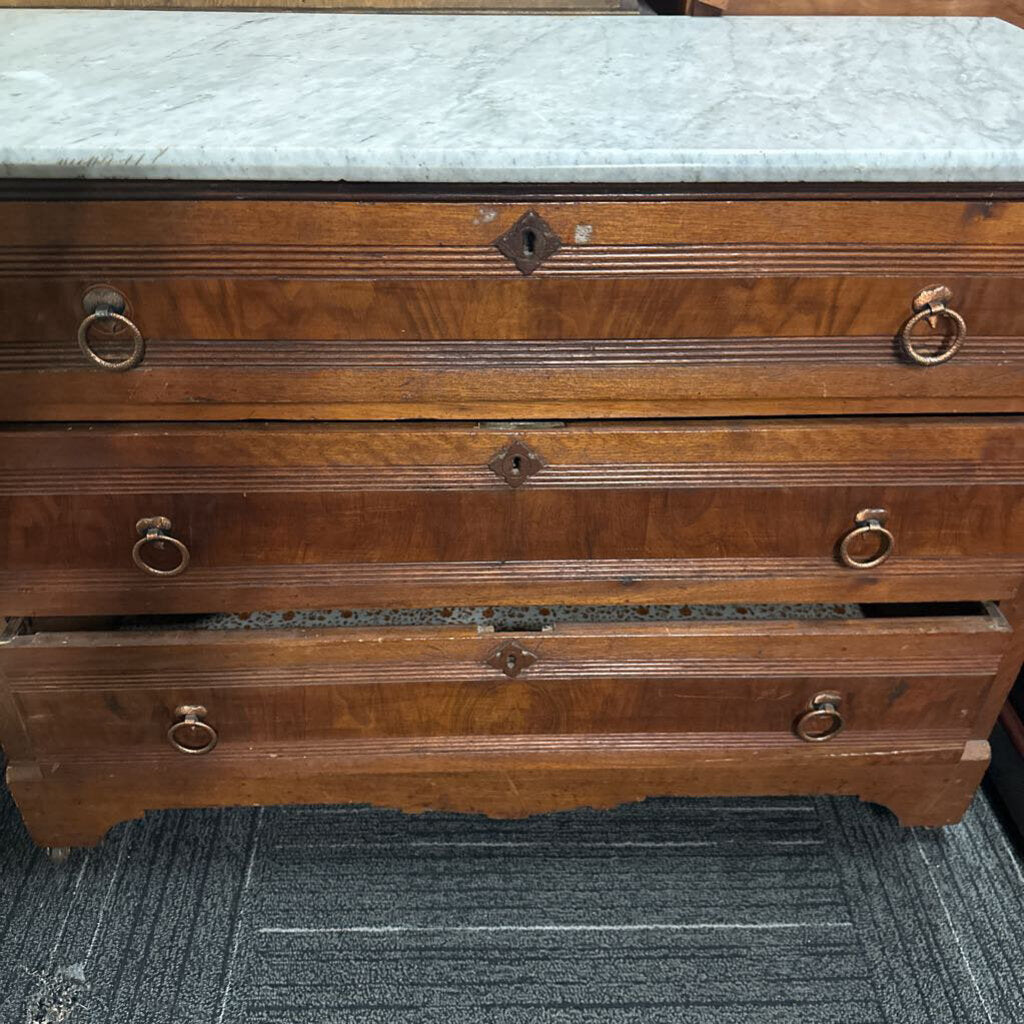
(509, 99)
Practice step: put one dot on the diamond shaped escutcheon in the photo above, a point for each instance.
(529, 242)
(511, 659)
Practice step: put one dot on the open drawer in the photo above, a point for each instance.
(508, 722)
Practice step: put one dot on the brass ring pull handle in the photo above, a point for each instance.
(822, 720)
(870, 521)
(107, 313)
(156, 530)
(931, 304)
(192, 719)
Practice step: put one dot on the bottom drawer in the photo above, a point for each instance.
(211, 706)
(268, 690)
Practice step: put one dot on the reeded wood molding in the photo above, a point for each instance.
(548, 668)
(415, 261)
(426, 477)
(291, 357)
(596, 570)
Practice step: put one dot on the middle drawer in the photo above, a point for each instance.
(158, 519)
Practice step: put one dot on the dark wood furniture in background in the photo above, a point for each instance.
(1008, 10)
(1006, 773)
(234, 398)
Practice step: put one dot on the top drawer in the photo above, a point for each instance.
(377, 307)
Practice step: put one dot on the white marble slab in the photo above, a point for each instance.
(328, 97)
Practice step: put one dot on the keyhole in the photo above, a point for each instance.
(510, 663)
(529, 242)
(517, 465)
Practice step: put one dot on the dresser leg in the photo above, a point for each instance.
(930, 795)
(61, 817)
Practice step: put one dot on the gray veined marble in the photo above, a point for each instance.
(320, 97)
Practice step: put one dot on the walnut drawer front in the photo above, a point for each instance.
(887, 682)
(413, 516)
(382, 309)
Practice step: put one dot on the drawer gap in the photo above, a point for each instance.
(922, 609)
(532, 619)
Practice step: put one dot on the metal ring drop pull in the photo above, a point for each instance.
(932, 304)
(155, 529)
(105, 314)
(192, 720)
(870, 521)
(822, 720)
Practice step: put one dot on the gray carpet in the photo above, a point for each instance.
(816, 911)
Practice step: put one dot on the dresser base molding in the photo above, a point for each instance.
(76, 804)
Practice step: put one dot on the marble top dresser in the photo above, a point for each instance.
(700, 341)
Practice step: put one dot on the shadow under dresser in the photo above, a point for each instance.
(752, 454)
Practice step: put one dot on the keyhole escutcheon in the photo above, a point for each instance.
(529, 242)
(516, 464)
(511, 659)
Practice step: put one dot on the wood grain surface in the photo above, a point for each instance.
(924, 782)
(388, 308)
(302, 516)
(666, 704)
(269, 309)
(110, 695)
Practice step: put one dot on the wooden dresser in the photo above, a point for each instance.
(234, 396)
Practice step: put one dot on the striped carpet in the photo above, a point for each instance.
(818, 911)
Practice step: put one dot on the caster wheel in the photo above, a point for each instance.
(58, 854)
